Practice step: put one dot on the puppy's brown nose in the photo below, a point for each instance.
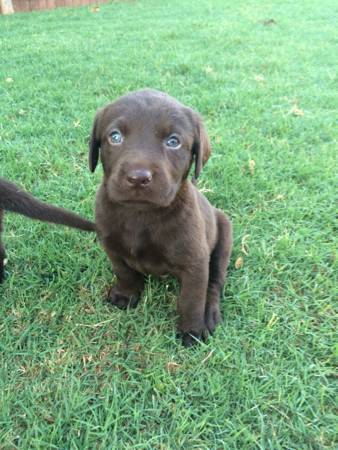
(139, 177)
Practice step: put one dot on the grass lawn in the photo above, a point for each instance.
(76, 373)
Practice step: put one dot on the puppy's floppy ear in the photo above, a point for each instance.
(94, 143)
(201, 148)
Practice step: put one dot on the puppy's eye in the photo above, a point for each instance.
(173, 142)
(115, 137)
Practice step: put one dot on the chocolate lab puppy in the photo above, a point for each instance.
(14, 199)
(150, 217)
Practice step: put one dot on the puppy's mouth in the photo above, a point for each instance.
(140, 196)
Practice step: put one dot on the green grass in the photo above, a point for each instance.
(77, 374)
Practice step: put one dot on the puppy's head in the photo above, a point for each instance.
(147, 141)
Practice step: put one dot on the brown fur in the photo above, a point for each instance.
(13, 199)
(150, 218)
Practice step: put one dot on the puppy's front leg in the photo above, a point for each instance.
(127, 291)
(2, 262)
(130, 283)
(2, 251)
(191, 303)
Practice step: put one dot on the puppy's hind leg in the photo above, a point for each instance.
(2, 250)
(218, 264)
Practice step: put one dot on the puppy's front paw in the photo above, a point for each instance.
(116, 298)
(190, 338)
(212, 316)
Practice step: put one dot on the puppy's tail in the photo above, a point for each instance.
(12, 198)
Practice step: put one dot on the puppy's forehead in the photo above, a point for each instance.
(150, 108)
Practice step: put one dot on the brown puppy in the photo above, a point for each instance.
(150, 218)
(12, 198)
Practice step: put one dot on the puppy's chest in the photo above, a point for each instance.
(140, 248)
